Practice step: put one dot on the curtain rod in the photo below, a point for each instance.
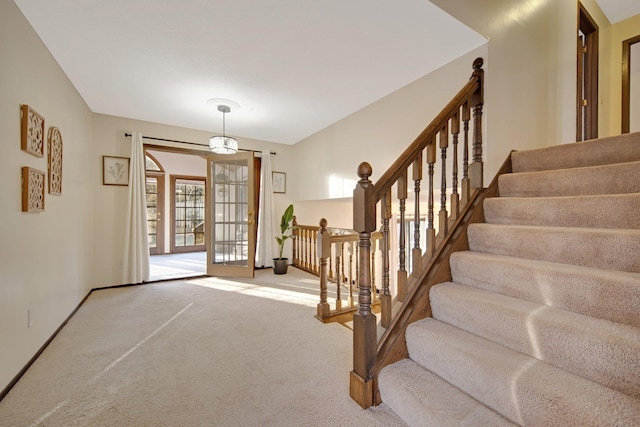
(193, 143)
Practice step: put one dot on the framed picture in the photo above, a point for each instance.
(31, 131)
(115, 170)
(279, 182)
(32, 190)
(55, 161)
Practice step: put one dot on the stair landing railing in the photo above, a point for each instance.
(368, 197)
(332, 254)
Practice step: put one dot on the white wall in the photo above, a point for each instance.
(634, 88)
(46, 258)
(530, 74)
(620, 31)
(327, 162)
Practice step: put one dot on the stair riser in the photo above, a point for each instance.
(623, 178)
(599, 350)
(517, 386)
(604, 294)
(606, 249)
(617, 149)
(610, 211)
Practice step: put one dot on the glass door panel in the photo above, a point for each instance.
(155, 205)
(230, 211)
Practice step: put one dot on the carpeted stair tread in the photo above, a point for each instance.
(599, 350)
(605, 294)
(421, 398)
(616, 149)
(614, 249)
(519, 387)
(597, 211)
(619, 178)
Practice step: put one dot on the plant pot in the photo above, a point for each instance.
(280, 265)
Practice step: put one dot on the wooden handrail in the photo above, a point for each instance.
(367, 196)
(391, 176)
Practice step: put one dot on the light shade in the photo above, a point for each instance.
(221, 144)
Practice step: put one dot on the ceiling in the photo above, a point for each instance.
(618, 10)
(293, 66)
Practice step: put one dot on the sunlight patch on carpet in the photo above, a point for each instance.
(256, 290)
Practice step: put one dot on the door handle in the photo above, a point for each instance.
(251, 213)
(250, 222)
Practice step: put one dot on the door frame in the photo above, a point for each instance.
(172, 206)
(626, 82)
(159, 176)
(587, 75)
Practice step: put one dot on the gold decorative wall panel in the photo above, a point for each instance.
(55, 161)
(32, 131)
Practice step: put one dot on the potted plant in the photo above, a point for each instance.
(280, 264)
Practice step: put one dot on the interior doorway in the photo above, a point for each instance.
(587, 77)
(631, 85)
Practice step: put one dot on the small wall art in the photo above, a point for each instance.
(32, 190)
(32, 131)
(55, 161)
(115, 170)
(279, 182)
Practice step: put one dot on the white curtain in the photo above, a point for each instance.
(266, 243)
(135, 265)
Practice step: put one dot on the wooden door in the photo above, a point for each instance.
(230, 211)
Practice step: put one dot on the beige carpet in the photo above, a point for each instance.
(199, 352)
(539, 326)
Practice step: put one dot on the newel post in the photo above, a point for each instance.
(364, 321)
(476, 169)
(324, 252)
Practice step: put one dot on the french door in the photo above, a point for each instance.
(155, 212)
(230, 200)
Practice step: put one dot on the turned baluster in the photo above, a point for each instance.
(402, 271)
(303, 237)
(416, 254)
(314, 247)
(351, 282)
(343, 277)
(338, 276)
(364, 321)
(431, 232)
(324, 252)
(308, 259)
(443, 215)
(296, 232)
(374, 287)
(331, 266)
(466, 116)
(476, 169)
(385, 297)
(455, 198)
(357, 263)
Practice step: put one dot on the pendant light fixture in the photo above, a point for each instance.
(223, 144)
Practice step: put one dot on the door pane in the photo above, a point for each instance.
(152, 212)
(229, 200)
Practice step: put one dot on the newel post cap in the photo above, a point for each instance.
(323, 242)
(364, 201)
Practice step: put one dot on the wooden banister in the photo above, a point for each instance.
(335, 260)
(465, 94)
(427, 263)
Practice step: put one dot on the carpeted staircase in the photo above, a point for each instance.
(541, 323)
